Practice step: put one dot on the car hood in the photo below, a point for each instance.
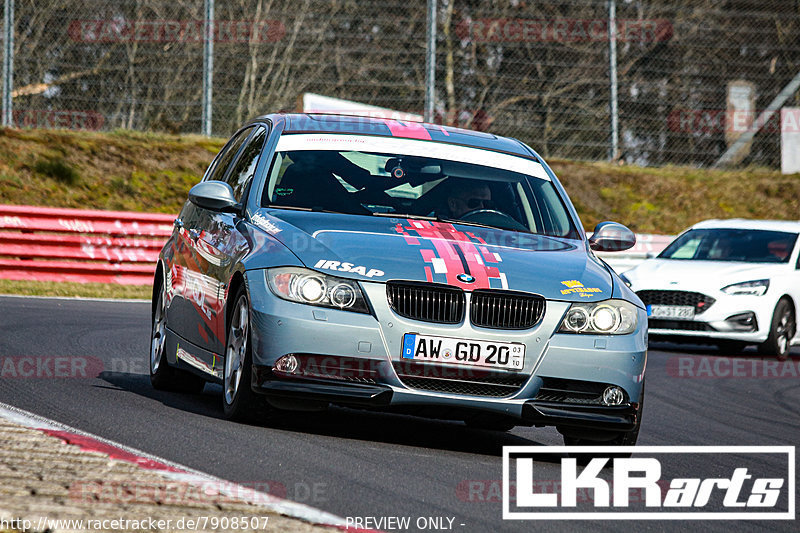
(383, 249)
(699, 276)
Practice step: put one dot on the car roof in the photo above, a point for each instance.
(385, 127)
(741, 223)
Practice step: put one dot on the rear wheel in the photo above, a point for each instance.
(163, 376)
(239, 402)
(781, 331)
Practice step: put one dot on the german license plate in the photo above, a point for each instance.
(430, 348)
(681, 312)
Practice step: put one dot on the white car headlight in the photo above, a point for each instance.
(611, 317)
(751, 288)
(306, 286)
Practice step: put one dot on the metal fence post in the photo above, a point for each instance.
(613, 103)
(430, 62)
(208, 66)
(8, 63)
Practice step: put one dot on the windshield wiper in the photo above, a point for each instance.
(438, 219)
(406, 215)
(307, 209)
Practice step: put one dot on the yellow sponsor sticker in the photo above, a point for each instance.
(574, 286)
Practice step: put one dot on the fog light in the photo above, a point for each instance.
(743, 322)
(286, 364)
(613, 396)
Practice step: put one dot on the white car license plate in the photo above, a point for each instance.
(506, 355)
(681, 312)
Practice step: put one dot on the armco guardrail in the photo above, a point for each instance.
(53, 244)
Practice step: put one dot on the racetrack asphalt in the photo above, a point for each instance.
(370, 464)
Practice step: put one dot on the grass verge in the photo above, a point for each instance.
(80, 290)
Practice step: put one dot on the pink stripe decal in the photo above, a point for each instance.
(445, 240)
(408, 130)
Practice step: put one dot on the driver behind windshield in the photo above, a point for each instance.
(463, 196)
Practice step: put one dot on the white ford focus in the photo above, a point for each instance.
(729, 282)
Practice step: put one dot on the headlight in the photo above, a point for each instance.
(751, 288)
(309, 287)
(611, 317)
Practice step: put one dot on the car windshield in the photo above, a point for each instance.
(746, 245)
(391, 184)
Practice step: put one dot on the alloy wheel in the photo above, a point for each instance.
(235, 352)
(158, 336)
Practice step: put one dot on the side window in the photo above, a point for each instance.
(245, 166)
(225, 159)
(797, 266)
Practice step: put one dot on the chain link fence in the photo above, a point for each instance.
(692, 74)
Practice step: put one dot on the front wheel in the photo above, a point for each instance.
(781, 331)
(239, 402)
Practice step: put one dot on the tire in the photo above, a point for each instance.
(626, 438)
(782, 329)
(163, 376)
(239, 402)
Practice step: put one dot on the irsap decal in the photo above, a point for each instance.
(348, 267)
(575, 286)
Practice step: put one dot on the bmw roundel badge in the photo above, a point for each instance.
(465, 278)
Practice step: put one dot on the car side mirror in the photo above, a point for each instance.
(214, 196)
(611, 237)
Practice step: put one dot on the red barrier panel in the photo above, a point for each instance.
(55, 244)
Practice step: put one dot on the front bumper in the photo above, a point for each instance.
(281, 328)
(530, 412)
(357, 394)
(719, 321)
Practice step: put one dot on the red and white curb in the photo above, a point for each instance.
(169, 470)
